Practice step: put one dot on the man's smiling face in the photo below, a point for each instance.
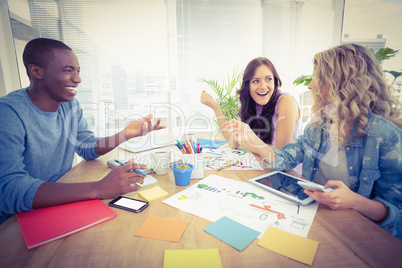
(62, 76)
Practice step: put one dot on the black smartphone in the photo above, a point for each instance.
(129, 204)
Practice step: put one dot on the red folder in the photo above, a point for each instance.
(44, 225)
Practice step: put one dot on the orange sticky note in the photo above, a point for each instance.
(290, 245)
(153, 193)
(162, 229)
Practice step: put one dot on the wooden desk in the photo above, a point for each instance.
(346, 238)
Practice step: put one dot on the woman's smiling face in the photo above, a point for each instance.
(262, 85)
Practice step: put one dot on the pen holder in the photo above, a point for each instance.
(182, 173)
(197, 160)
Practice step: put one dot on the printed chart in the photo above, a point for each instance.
(215, 197)
(217, 158)
(213, 158)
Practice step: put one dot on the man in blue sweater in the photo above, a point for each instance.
(42, 126)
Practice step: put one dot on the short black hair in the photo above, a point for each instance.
(39, 51)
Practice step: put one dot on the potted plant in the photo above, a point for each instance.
(182, 166)
(182, 173)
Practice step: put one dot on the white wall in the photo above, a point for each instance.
(19, 10)
(9, 75)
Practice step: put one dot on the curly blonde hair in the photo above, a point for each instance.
(356, 85)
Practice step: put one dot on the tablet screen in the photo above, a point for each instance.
(285, 184)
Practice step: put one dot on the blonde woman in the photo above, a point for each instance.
(353, 143)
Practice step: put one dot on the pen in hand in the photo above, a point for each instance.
(135, 170)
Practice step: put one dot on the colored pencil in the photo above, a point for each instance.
(228, 166)
(185, 148)
(188, 146)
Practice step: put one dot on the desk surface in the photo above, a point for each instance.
(346, 238)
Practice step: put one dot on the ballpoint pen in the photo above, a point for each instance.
(135, 170)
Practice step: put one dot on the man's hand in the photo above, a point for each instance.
(141, 127)
(120, 180)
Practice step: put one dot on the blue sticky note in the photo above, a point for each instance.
(210, 143)
(147, 181)
(232, 233)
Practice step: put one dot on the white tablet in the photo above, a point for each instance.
(284, 185)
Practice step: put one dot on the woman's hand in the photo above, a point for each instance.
(243, 134)
(344, 198)
(141, 127)
(246, 137)
(207, 100)
(228, 131)
(340, 198)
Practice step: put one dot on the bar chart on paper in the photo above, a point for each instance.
(216, 196)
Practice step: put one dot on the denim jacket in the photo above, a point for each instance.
(374, 163)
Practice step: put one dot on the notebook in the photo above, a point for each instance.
(45, 225)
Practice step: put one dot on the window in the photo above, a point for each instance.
(148, 56)
(376, 24)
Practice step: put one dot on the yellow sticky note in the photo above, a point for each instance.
(194, 258)
(293, 246)
(153, 193)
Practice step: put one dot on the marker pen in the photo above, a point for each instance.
(135, 170)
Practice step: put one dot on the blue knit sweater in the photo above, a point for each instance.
(37, 146)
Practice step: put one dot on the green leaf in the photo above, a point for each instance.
(395, 74)
(303, 79)
(384, 54)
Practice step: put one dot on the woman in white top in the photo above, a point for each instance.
(271, 114)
